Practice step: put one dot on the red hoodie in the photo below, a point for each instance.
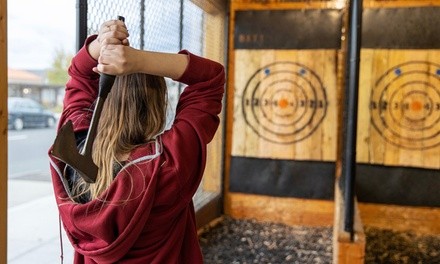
(147, 214)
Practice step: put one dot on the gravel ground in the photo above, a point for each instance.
(386, 246)
(234, 241)
(248, 241)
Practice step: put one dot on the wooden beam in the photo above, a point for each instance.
(346, 251)
(289, 211)
(211, 6)
(398, 4)
(3, 131)
(420, 220)
(280, 4)
(208, 202)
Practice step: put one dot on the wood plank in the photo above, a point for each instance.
(211, 6)
(286, 121)
(3, 131)
(420, 220)
(432, 155)
(392, 154)
(280, 4)
(330, 126)
(290, 211)
(214, 36)
(346, 251)
(244, 138)
(230, 93)
(213, 171)
(399, 3)
(214, 47)
(364, 117)
(395, 118)
(377, 147)
(399, 94)
(349, 253)
(312, 145)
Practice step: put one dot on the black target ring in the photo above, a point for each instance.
(406, 119)
(405, 105)
(285, 115)
(284, 102)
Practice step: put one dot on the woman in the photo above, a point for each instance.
(140, 209)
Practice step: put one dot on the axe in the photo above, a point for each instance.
(65, 147)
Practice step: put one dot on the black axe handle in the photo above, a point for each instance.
(64, 147)
(106, 82)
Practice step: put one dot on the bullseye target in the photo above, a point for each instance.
(405, 105)
(284, 102)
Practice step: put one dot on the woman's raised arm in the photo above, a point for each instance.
(121, 60)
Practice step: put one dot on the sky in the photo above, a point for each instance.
(36, 29)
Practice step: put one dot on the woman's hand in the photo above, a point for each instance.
(117, 59)
(111, 32)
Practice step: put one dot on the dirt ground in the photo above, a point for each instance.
(234, 241)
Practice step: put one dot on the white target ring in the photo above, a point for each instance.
(284, 102)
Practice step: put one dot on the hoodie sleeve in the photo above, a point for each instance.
(196, 120)
(81, 89)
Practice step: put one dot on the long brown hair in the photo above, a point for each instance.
(133, 114)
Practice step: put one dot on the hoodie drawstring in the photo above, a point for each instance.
(61, 241)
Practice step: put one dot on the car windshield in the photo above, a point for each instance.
(22, 103)
(13, 103)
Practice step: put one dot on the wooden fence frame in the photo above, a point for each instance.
(3, 132)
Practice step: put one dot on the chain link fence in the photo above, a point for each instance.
(166, 26)
(159, 25)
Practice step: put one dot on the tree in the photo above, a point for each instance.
(58, 73)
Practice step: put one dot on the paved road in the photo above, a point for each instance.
(33, 227)
(27, 153)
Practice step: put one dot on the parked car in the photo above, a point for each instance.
(25, 112)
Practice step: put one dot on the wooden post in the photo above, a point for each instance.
(346, 251)
(348, 247)
(3, 132)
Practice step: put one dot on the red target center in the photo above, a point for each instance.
(283, 103)
(416, 106)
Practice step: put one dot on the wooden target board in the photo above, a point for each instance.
(399, 88)
(285, 104)
(285, 84)
(400, 96)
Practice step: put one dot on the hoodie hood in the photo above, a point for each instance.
(105, 228)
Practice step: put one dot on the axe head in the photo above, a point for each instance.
(66, 150)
